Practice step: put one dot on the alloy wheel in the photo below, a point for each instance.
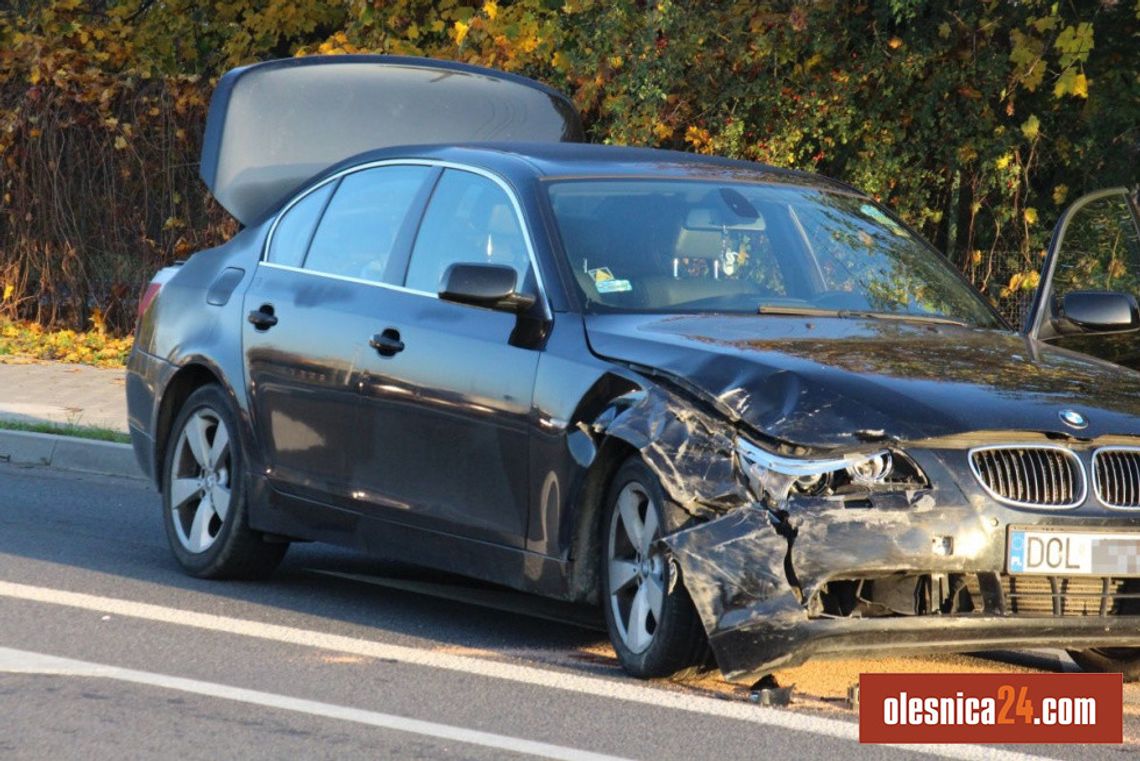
(636, 567)
(199, 483)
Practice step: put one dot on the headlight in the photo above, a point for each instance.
(778, 476)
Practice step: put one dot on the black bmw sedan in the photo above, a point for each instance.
(746, 411)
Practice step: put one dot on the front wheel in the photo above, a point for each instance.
(652, 624)
(1113, 660)
(204, 500)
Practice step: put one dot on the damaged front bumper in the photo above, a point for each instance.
(902, 576)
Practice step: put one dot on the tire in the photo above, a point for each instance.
(204, 495)
(655, 630)
(1112, 660)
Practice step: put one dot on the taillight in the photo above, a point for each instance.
(148, 294)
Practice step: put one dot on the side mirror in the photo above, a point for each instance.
(1098, 312)
(485, 285)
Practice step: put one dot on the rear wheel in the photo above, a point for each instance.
(204, 499)
(652, 624)
(1113, 660)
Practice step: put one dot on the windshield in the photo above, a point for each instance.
(695, 246)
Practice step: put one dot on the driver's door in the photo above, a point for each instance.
(1095, 249)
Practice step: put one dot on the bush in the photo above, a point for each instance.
(978, 121)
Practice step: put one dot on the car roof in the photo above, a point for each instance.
(550, 160)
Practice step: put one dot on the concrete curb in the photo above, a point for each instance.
(104, 458)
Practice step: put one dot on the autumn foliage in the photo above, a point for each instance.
(977, 120)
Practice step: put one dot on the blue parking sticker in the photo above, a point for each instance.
(1016, 551)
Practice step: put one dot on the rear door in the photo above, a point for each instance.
(1095, 247)
(312, 309)
(447, 408)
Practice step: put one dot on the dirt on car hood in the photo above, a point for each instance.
(830, 382)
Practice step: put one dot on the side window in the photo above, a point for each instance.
(359, 228)
(1100, 250)
(295, 228)
(469, 219)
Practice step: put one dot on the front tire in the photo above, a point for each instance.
(1113, 660)
(652, 624)
(204, 496)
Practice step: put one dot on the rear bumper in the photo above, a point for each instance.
(146, 375)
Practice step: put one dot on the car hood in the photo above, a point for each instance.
(829, 382)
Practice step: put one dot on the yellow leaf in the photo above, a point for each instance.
(1081, 86)
(491, 8)
(8, 289)
(1003, 161)
(1031, 216)
(1031, 127)
(460, 32)
(1060, 193)
(120, 143)
(894, 43)
(976, 257)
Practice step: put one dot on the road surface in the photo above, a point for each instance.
(107, 649)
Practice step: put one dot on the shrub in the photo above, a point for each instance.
(977, 121)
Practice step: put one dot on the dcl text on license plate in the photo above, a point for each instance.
(1060, 552)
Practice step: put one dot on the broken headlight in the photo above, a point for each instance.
(778, 476)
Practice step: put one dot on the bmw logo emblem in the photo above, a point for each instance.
(1073, 419)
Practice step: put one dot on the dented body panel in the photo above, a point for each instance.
(826, 383)
(756, 582)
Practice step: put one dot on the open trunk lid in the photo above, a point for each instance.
(274, 125)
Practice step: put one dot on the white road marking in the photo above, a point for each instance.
(558, 680)
(24, 662)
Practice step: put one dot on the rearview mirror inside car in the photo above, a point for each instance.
(485, 285)
(1097, 312)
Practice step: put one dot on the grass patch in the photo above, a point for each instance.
(68, 429)
(92, 347)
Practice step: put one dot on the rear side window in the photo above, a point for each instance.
(358, 231)
(470, 219)
(295, 228)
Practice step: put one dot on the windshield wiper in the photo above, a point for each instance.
(794, 311)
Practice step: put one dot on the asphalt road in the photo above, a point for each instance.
(107, 649)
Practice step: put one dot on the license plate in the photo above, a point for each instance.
(1065, 552)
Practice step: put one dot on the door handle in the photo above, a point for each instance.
(387, 343)
(263, 317)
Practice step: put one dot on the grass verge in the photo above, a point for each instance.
(67, 429)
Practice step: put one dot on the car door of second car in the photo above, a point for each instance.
(447, 400)
(1094, 253)
(311, 307)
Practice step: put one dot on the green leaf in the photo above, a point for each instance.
(1074, 43)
